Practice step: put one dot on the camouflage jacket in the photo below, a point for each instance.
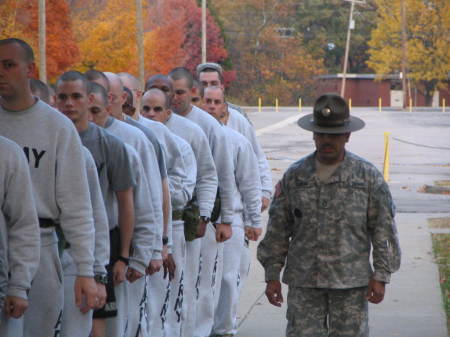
(324, 231)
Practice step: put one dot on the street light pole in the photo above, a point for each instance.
(42, 43)
(347, 47)
(140, 41)
(203, 31)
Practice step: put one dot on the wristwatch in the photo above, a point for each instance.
(204, 219)
(165, 240)
(101, 278)
(125, 260)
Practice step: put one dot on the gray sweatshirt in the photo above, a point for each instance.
(176, 169)
(247, 188)
(19, 225)
(222, 158)
(238, 122)
(113, 167)
(190, 166)
(101, 252)
(136, 139)
(157, 143)
(53, 149)
(206, 182)
(144, 217)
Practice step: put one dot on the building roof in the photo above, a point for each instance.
(361, 76)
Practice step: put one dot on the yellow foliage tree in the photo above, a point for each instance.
(107, 39)
(428, 42)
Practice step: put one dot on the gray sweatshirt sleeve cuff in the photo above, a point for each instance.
(137, 265)
(272, 273)
(99, 269)
(267, 194)
(156, 255)
(85, 270)
(382, 276)
(17, 292)
(205, 213)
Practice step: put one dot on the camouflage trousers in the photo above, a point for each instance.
(315, 312)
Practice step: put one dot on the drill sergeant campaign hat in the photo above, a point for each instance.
(330, 115)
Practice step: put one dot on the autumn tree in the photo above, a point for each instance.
(184, 16)
(427, 43)
(268, 57)
(106, 35)
(324, 24)
(20, 19)
(107, 38)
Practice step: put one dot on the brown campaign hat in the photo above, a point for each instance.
(330, 115)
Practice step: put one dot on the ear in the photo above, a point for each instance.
(124, 97)
(348, 137)
(109, 97)
(32, 70)
(139, 93)
(90, 98)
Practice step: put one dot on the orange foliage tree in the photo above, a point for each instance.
(181, 20)
(20, 19)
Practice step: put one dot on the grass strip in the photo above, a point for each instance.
(441, 247)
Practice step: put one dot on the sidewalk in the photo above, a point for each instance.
(413, 302)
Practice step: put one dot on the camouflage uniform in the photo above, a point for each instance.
(326, 230)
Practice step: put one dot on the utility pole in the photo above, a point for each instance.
(203, 31)
(140, 42)
(404, 53)
(351, 25)
(42, 43)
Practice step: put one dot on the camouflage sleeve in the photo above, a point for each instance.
(273, 249)
(383, 232)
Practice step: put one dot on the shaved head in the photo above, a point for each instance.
(118, 95)
(157, 93)
(156, 105)
(129, 81)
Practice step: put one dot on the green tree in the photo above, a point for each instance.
(324, 25)
(427, 47)
(268, 57)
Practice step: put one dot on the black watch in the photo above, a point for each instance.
(205, 219)
(165, 240)
(125, 260)
(101, 278)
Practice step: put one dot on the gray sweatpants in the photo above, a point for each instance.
(118, 326)
(191, 276)
(210, 276)
(228, 299)
(73, 323)
(137, 308)
(166, 298)
(43, 316)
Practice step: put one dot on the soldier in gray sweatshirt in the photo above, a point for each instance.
(221, 230)
(57, 168)
(115, 176)
(247, 209)
(145, 220)
(19, 232)
(168, 300)
(205, 192)
(73, 322)
(137, 139)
